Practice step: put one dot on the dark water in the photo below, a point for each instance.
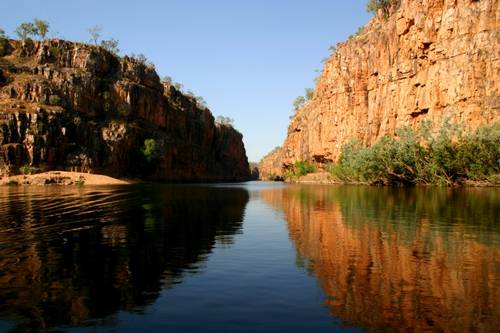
(252, 257)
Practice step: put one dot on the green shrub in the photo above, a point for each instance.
(54, 100)
(299, 169)
(309, 93)
(4, 46)
(111, 45)
(374, 6)
(149, 150)
(299, 102)
(12, 182)
(54, 51)
(28, 170)
(416, 157)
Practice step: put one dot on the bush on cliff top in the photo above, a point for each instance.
(417, 157)
(226, 121)
(111, 45)
(39, 28)
(374, 6)
(300, 101)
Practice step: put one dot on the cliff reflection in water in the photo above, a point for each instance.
(72, 255)
(400, 259)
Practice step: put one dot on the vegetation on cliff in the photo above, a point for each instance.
(81, 107)
(299, 169)
(413, 63)
(384, 5)
(451, 157)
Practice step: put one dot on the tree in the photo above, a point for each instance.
(374, 6)
(42, 28)
(167, 79)
(25, 30)
(95, 34)
(4, 43)
(309, 93)
(178, 86)
(299, 102)
(201, 103)
(111, 45)
(141, 58)
(226, 121)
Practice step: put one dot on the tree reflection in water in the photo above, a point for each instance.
(68, 256)
(403, 260)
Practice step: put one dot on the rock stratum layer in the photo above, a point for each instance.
(72, 106)
(430, 60)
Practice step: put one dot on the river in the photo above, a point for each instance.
(249, 257)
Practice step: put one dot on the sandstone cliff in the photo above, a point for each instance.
(73, 106)
(430, 60)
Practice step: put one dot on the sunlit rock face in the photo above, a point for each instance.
(432, 60)
(396, 261)
(73, 106)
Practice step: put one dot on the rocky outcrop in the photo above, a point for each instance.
(72, 106)
(271, 164)
(430, 60)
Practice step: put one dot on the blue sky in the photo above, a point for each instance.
(248, 59)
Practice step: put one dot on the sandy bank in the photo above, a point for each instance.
(62, 178)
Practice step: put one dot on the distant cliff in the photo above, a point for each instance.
(72, 106)
(431, 60)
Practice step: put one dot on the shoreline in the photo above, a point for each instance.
(323, 178)
(62, 178)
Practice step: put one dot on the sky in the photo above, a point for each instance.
(249, 59)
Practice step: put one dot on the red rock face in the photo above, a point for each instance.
(72, 106)
(431, 60)
(394, 277)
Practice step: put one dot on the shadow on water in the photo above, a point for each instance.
(68, 256)
(422, 259)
